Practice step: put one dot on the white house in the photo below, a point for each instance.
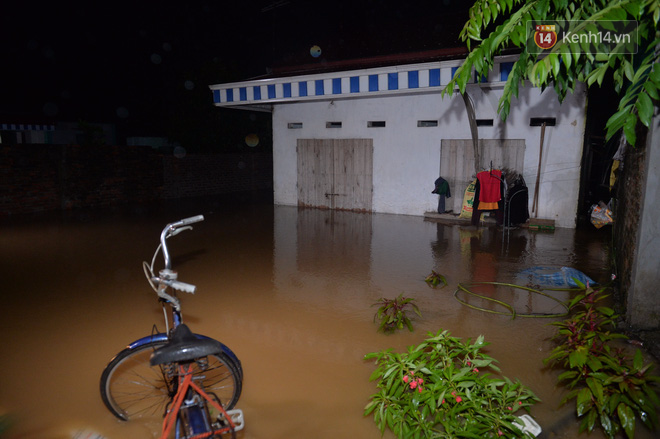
(375, 139)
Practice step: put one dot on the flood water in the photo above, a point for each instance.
(289, 291)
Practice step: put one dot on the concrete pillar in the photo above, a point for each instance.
(643, 298)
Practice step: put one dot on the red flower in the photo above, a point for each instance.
(405, 378)
(459, 399)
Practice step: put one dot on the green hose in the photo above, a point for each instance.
(512, 312)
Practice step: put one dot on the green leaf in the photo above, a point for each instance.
(596, 390)
(567, 375)
(617, 121)
(651, 90)
(628, 70)
(606, 423)
(554, 62)
(583, 403)
(578, 357)
(645, 108)
(627, 419)
(655, 73)
(566, 55)
(629, 128)
(591, 420)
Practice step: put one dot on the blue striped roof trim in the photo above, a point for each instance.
(377, 81)
(413, 79)
(336, 86)
(505, 69)
(355, 84)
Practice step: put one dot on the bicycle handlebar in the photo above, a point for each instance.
(186, 221)
(170, 230)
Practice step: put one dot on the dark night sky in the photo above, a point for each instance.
(143, 64)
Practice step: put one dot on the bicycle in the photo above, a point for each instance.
(193, 380)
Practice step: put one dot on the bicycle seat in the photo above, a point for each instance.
(184, 346)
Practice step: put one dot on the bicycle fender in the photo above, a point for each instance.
(161, 336)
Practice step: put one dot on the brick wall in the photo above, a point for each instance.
(37, 178)
(212, 174)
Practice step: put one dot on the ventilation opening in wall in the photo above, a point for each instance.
(484, 122)
(333, 124)
(295, 125)
(376, 124)
(538, 121)
(427, 123)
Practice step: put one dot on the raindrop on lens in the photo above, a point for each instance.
(189, 85)
(156, 58)
(252, 140)
(315, 51)
(179, 152)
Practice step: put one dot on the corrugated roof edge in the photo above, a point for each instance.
(371, 62)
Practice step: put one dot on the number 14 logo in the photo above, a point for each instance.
(545, 36)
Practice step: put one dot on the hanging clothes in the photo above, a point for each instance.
(490, 192)
(442, 189)
(517, 203)
(488, 196)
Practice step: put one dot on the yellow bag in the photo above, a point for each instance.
(468, 201)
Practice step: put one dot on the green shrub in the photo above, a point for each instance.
(434, 279)
(392, 313)
(442, 388)
(610, 388)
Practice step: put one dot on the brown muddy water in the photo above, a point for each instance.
(289, 291)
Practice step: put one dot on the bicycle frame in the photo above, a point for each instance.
(198, 422)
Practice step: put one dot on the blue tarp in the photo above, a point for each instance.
(555, 277)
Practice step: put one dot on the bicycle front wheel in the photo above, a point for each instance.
(132, 388)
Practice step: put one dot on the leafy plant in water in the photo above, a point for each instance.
(392, 313)
(434, 279)
(442, 389)
(608, 388)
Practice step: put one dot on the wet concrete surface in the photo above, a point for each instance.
(289, 291)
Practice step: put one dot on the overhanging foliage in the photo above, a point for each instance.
(497, 25)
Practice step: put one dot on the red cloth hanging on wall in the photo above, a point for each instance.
(490, 193)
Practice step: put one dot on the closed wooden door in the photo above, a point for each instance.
(335, 173)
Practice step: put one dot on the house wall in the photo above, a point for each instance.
(637, 231)
(406, 158)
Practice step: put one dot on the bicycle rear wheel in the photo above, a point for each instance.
(132, 388)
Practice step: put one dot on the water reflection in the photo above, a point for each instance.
(289, 290)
